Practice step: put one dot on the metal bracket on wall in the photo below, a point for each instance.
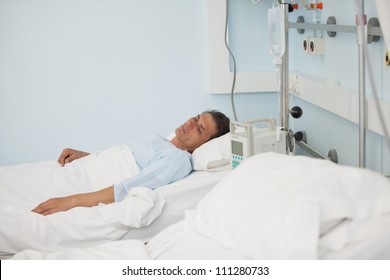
(332, 153)
(300, 19)
(374, 31)
(331, 20)
(372, 38)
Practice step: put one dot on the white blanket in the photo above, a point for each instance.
(275, 206)
(117, 250)
(272, 207)
(22, 187)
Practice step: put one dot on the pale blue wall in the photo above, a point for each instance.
(92, 73)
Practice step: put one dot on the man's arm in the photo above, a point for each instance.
(59, 204)
(68, 155)
(158, 173)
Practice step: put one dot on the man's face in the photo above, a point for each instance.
(195, 132)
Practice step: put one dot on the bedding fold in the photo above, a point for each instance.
(78, 227)
(118, 250)
(22, 187)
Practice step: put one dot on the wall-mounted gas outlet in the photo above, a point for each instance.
(306, 44)
(387, 59)
(314, 45)
(317, 46)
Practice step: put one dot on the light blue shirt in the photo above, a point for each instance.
(159, 162)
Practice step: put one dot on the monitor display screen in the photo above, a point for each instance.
(237, 148)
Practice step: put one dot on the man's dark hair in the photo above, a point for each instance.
(221, 121)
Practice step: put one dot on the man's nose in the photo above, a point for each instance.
(190, 124)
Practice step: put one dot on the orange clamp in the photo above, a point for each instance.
(318, 6)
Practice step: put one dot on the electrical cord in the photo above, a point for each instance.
(234, 64)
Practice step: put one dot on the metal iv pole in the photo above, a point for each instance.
(284, 79)
(284, 106)
(361, 36)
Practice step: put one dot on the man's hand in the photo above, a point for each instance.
(54, 205)
(58, 204)
(69, 155)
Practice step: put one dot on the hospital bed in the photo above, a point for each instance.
(272, 206)
(140, 216)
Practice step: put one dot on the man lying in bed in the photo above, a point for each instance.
(160, 162)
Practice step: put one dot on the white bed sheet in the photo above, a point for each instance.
(24, 186)
(177, 242)
(375, 245)
(181, 242)
(78, 227)
(179, 196)
(353, 221)
(269, 202)
(116, 250)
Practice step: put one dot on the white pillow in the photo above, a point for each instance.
(272, 206)
(213, 155)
